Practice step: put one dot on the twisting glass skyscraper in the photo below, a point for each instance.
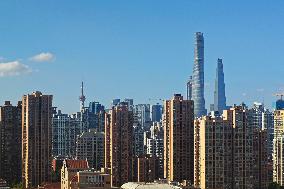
(219, 93)
(198, 76)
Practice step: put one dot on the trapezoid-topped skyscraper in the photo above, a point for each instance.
(198, 76)
(219, 93)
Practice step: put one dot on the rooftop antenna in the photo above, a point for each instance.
(82, 98)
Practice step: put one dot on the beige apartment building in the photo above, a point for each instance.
(210, 134)
(229, 152)
(36, 139)
(278, 147)
(178, 122)
(118, 141)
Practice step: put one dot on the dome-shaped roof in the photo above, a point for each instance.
(133, 185)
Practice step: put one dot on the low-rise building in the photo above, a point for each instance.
(91, 179)
(76, 174)
(3, 184)
(70, 169)
(160, 184)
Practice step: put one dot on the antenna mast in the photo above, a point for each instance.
(82, 98)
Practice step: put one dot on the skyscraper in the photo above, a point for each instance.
(118, 141)
(157, 110)
(179, 139)
(36, 139)
(10, 142)
(219, 93)
(64, 132)
(198, 76)
(142, 113)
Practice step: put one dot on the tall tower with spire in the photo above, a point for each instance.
(82, 98)
(219, 93)
(198, 76)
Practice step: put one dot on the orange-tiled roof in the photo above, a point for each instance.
(77, 164)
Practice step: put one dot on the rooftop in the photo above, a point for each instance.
(135, 185)
(77, 164)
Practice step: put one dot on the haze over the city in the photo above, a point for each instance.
(139, 49)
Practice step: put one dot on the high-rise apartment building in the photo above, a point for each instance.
(257, 111)
(179, 139)
(278, 147)
(138, 141)
(268, 123)
(90, 147)
(147, 168)
(65, 129)
(241, 172)
(36, 139)
(95, 116)
(155, 145)
(198, 76)
(219, 93)
(10, 142)
(230, 152)
(262, 164)
(142, 114)
(262, 120)
(118, 141)
(212, 152)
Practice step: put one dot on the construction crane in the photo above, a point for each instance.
(156, 99)
(279, 94)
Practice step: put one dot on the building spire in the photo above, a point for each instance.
(82, 98)
(198, 76)
(219, 93)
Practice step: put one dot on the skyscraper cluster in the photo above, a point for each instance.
(175, 143)
(195, 84)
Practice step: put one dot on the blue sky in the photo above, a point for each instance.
(138, 49)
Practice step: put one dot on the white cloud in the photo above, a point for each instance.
(244, 94)
(14, 68)
(43, 57)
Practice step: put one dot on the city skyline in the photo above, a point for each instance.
(134, 94)
(129, 38)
